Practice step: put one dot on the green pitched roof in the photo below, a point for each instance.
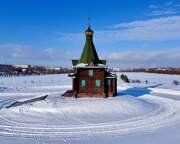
(103, 62)
(75, 62)
(89, 52)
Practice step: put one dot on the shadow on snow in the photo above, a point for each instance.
(137, 91)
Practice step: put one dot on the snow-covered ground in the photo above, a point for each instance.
(142, 113)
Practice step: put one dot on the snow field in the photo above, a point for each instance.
(137, 109)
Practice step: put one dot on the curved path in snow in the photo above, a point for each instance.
(166, 113)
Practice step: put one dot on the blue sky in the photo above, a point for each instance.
(128, 33)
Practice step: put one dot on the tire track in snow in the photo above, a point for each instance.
(166, 114)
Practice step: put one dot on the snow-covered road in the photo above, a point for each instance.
(138, 109)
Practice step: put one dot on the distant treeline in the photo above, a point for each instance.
(20, 70)
(17, 70)
(168, 70)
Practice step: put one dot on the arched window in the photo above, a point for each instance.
(109, 82)
(83, 83)
(98, 83)
(90, 72)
